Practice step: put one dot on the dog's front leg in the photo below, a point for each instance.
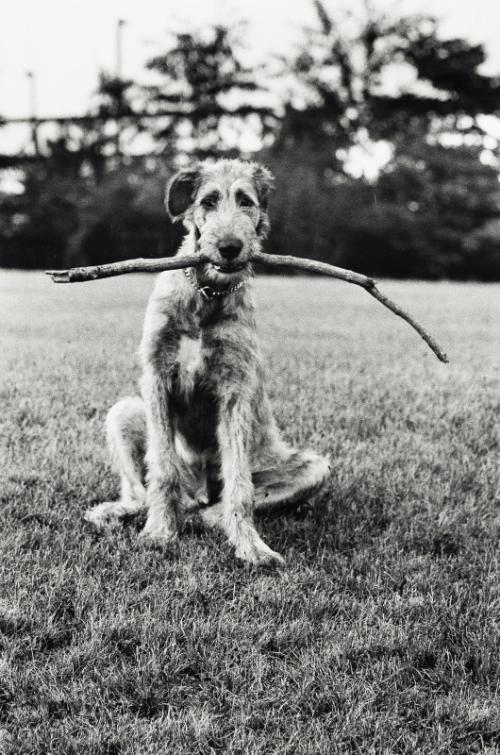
(234, 438)
(163, 486)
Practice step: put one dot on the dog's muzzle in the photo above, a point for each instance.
(229, 248)
(228, 269)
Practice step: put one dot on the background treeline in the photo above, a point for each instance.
(358, 87)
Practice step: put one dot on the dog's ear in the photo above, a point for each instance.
(264, 183)
(181, 191)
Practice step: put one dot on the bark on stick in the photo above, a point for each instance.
(139, 265)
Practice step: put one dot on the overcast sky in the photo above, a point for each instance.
(66, 42)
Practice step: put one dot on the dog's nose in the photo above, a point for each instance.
(230, 247)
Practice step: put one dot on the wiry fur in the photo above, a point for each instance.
(203, 435)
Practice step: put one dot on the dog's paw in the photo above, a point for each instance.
(102, 516)
(213, 516)
(163, 538)
(258, 553)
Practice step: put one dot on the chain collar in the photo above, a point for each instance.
(210, 293)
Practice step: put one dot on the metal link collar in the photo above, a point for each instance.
(212, 293)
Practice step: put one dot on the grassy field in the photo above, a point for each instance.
(381, 635)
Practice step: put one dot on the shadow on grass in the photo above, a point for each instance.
(331, 521)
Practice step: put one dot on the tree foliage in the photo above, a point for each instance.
(385, 78)
(204, 80)
(372, 79)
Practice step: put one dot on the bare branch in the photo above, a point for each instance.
(272, 260)
(312, 266)
(139, 265)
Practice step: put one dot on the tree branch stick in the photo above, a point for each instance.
(272, 260)
(313, 266)
(139, 265)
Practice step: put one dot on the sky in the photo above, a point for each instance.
(67, 42)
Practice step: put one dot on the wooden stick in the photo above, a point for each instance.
(139, 265)
(313, 266)
(142, 265)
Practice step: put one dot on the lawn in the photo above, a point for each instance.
(381, 634)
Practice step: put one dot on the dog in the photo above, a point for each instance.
(202, 435)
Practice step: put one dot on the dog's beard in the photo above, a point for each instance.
(211, 274)
(218, 272)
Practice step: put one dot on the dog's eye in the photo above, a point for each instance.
(210, 201)
(244, 200)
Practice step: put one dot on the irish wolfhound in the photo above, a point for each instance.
(203, 434)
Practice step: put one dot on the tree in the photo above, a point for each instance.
(38, 222)
(432, 211)
(203, 77)
(114, 101)
(347, 74)
(448, 196)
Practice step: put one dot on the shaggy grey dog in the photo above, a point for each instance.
(203, 434)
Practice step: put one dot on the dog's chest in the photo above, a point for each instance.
(191, 362)
(193, 401)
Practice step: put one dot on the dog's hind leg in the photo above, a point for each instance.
(287, 478)
(126, 434)
(282, 479)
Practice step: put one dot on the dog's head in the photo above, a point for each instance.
(225, 204)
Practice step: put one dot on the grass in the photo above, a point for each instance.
(381, 635)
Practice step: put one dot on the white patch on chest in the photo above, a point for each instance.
(189, 358)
